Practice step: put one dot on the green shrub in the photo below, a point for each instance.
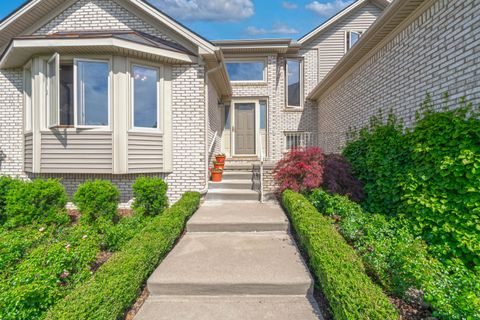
(40, 201)
(116, 285)
(116, 235)
(47, 274)
(150, 195)
(6, 183)
(350, 292)
(97, 199)
(401, 262)
(379, 155)
(430, 173)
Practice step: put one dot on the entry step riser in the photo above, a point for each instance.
(237, 227)
(232, 196)
(237, 175)
(232, 184)
(196, 289)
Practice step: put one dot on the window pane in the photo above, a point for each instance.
(245, 71)
(263, 114)
(92, 93)
(227, 117)
(293, 83)
(66, 95)
(353, 38)
(145, 97)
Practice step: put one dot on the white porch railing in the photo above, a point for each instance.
(299, 139)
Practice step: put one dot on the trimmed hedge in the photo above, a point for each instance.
(350, 292)
(97, 199)
(38, 201)
(116, 285)
(150, 196)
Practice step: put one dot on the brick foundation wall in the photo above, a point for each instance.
(437, 52)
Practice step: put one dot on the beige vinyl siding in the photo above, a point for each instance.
(29, 152)
(330, 44)
(145, 152)
(76, 152)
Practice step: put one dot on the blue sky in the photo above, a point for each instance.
(236, 19)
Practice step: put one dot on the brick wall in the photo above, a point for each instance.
(437, 52)
(11, 122)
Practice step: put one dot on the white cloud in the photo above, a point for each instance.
(328, 9)
(254, 31)
(289, 5)
(207, 10)
(278, 28)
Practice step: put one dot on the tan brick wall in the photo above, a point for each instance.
(437, 52)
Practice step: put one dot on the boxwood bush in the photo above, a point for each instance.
(350, 292)
(97, 199)
(150, 195)
(116, 285)
(38, 201)
(401, 263)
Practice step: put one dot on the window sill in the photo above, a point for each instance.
(145, 132)
(248, 83)
(293, 109)
(76, 130)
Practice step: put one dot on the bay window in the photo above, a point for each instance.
(27, 98)
(145, 97)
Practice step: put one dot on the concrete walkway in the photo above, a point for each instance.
(236, 261)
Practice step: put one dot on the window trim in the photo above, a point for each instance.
(348, 38)
(302, 95)
(28, 129)
(246, 60)
(160, 77)
(75, 92)
(56, 59)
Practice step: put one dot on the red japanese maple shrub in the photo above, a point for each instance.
(338, 178)
(301, 170)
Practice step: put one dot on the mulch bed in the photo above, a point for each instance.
(132, 312)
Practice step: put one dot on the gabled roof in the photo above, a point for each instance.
(35, 10)
(357, 4)
(398, 12)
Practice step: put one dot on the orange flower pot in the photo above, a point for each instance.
(220, 158)
(218, 165)
(217, 175)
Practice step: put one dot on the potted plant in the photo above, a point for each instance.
(217, 175)
(220, 157)
(218, 165)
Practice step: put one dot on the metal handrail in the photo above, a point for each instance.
(213, 142)
(261, 167)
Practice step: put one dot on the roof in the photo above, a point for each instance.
(258, 45)
(387, 23)
(357, 4)
(33, 11)
(132, 43)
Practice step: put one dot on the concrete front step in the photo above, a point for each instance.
(228, 308)
(238, 217)
(232, 195)
(237, 175)
(232, 263)
(232, 184)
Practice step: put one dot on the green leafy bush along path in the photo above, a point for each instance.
(400, 262)
(349, 291)
(430, 174)
(42, 256)
(116, 285)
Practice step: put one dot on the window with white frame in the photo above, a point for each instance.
(145, 97)
(294, 83)
(351, 37)
(246, 70)
(78, 93)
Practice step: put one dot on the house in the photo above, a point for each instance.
(114, 89)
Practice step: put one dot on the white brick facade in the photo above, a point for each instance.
(436, 53)
(11, 122)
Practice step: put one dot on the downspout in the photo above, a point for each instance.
(207, 73)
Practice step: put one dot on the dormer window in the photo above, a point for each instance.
(351, 38)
